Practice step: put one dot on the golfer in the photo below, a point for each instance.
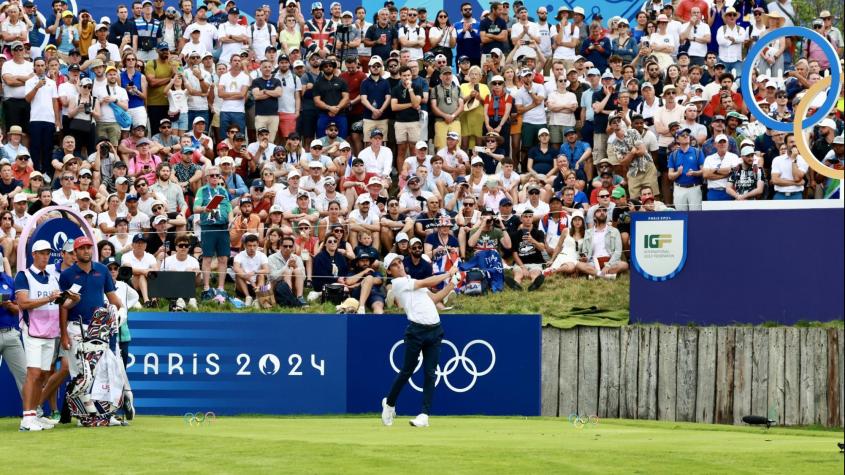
(423, 334)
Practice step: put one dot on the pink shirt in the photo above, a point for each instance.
(137, 164)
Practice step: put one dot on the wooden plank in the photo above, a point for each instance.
(630, 344)
(608, 405)
(834, 378)
(742, 373)
(807, 379)
(568, 373)
(667, 368)
(686, 374)
(588, 371)
(776, 384)
(792, 376)
(705, 391)
(820, 381)
(550, 369)
(647, 374)
(725, 342)
(760, 372)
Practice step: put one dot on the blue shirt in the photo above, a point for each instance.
(419, 271)
(7, 290)
(573, 152)
(691, 160)
(95, 285)
(376, 92)
(542, 161)
(491, 27)
(468, 43)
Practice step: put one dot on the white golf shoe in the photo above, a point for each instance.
(419, 421)
(30, 424)
(387, 413)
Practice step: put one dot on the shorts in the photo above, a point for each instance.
(516, 124)
(529, 134)
(215, 241)
(139, 116)
(307, 124)
(181, 122)
(370, 124)
(407, 132)
(555, 133)
(16, 112)
(533, 267)
(287, 123)
(40, 352)
(646, 178)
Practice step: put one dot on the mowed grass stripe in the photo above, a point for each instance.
(451, 445)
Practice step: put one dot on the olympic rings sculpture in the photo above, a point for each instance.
(579, 421)
(801, 123)
(199, 419)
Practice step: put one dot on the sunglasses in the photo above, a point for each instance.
(183, 246)
(496, 83)
(534, 192)
(287, 246)
(331, 241)
(215, 175)
(67, 178)
(604, 196)
(338, 230)
(23, 159)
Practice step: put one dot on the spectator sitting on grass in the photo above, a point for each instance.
(329, 264)
(142, 263)
(251, 268)
(529, 246)
(601, 251)
(365, 284)
(287, 267)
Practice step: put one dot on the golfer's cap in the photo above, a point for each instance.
(593, 72)
(163, 46)
(720, 138)
(682, 132)
(68, 157)
(422, 145)
(376, 60)
(477, 161)
(388, 259)
(144, 141)
(375, 181)
(159, 219)
(82, 242)
(401, 237)
(444, 70)
(505, 202)
(669, 88)
(762, 78)
(747, 151)
(111, 261)
(329, 180)
(772, 84)
(617, 193)
(19, 198)
(83, 195)
(257, 184)
(525, 72)
(129, 197)
(35, 174)
(41, 245)
(717, 117)
(222, 145)
(729, 11)
(66, 13)
(207, 54)
(828, 122)
(301, 194)
(497, 78)
(413, 178)
(101, 26)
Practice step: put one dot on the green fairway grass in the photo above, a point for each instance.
(360, 444)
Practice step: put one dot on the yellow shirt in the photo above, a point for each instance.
(86, 37)
(160, 70)
(483, 92)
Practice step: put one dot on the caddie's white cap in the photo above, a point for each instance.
(41, 245)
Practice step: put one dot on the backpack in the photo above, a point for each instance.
(475, 282)
(334, 293)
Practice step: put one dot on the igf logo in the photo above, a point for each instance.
(657, 241)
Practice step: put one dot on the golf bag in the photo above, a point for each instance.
(95, 393)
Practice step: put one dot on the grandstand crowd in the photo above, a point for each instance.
(297, 144)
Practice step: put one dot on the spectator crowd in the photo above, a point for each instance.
(298, 145)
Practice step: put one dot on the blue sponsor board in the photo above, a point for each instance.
(320, 364)
(751, 267)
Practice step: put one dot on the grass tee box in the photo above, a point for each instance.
(360, 444)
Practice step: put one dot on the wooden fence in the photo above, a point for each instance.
(712, 375)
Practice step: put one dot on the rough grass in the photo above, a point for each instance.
(355, 444)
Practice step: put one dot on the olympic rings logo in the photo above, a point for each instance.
(451, 365)
(833, 83)
(199, 419)
(579, 422)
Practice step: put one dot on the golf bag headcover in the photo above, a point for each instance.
(89, 353)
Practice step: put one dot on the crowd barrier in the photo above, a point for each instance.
(320, 364)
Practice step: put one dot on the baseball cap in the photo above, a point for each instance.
(828, 122)
(68, 246)
(617, 193)
(20, 197)
(365, 198)
(136, 238)
(477, 161)
(376, 133)
(316, 143)
(682, 131)
(374, 181)
(593, 72)
(257, 184)
(720, 138)
(542, 131)
(607, 75)
(401, 237)
(298, 64)
(276, 209)
(422, 145)
(415, 240)
(40, 245)
(453, 136)
(747, 151)
(82, 242)
(111, 261)
(505, 202)
(248, 200)
(121, 180)
(159, 219)
(388, 259)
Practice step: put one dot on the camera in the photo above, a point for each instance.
(87, 108)
(343, 29)
(105, 149)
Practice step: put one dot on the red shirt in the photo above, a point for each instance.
(504, 99)
(22, 175)
(353, 82)
(358, 188)
(684, 9)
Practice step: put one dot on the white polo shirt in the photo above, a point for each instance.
(715, 161)
(783, 166)
(417, 304)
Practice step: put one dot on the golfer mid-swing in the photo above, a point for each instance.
(423, 334)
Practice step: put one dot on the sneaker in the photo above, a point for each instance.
(129, 405)
(387, 413)
(45, 422)
(56, 416)
(180, 302)
(114, 421)
(419, 421)
(547, 272)
(512, 284)
(30, 424)
(538, 281)
(248, 301)
(302, 301)
(449, 297)
(207, 294)
(362, 310)
(609, 276)
(221, 293)
(192, 304)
